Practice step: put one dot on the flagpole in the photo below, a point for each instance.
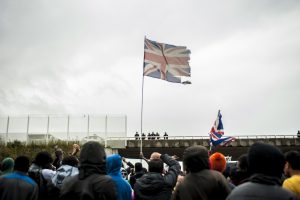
(141, 147)
(210, 148)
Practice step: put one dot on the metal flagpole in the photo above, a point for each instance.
(141, 148)
(142, 115)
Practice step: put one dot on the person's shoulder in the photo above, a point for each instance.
(70, 179)
(21, 177)
(100, 178)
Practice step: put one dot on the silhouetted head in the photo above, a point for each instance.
(293, 158)
(138, 166)
(195, 159)
(43, 159)
(156, 165)
(22, 164)
(265, 159)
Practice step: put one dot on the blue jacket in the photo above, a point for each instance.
(113, 167)
(17, 186)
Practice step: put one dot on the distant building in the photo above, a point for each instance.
(41, 138)
(93, 138)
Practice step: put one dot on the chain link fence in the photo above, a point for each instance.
(45, 128)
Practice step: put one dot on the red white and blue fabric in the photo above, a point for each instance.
(216, 133)
(165, 61)
(223, 141)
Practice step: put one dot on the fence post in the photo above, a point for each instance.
(27, 131)
(7, 128)
(105, 141)
(47, 134)
(68, 130)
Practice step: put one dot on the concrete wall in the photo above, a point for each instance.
(176, 147)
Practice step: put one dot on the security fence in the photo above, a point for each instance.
(45, 128)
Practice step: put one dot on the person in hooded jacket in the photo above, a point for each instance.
(200, 182)
(155, 184)
(92, 182)
(265, 164)
(17, 185)
(113, 167)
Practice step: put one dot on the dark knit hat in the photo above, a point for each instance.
(7, 165)
(138, 166)
(265, 159)
(217, 162)
(195, 158)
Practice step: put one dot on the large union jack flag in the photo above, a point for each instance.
(216, 133)
(165, 61)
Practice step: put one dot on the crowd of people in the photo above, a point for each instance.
(151, 136)
(263, 173)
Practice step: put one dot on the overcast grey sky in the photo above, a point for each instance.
(86, 57)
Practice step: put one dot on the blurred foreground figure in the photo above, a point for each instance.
(266, 164)
(200, 182)
(92, 181)
(292, 170)
(17, 185)
(7, 166)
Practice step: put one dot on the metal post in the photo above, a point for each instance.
(125, 130)
(7, 128)
(105, 131)
(88, 126)
(47, 135)
(27, 131)
(68, 130)
(141, 147)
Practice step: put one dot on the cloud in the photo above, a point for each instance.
(76, 57)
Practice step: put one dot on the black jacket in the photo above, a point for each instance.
(261, 187)
(205, 185)
(136, 176)
(92, 181)
(156, 186)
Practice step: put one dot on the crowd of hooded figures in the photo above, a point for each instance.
(88, 173)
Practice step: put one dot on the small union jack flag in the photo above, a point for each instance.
(216, 130)
(216, 133)
(165, 61)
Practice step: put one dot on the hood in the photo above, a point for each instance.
(265, 159)
(92, 159)
(113, 164)
(195, 158)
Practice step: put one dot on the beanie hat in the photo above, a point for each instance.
(218, 162)
(7, 165)
(195, 159)
(265, 159)
(138, 166)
